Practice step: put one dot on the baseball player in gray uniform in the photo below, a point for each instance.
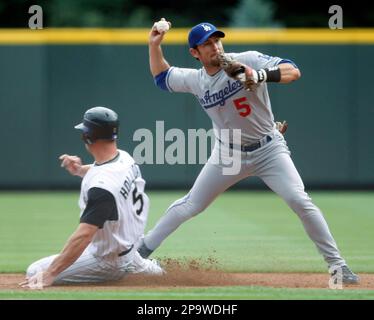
(114, 210)
(263, 150)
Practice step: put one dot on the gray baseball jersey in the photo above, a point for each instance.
(224, 100)
(231, 107)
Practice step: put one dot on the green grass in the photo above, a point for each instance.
(217, 293)
(243, 231)
(257, 232)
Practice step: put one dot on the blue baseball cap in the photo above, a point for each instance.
(201, 32)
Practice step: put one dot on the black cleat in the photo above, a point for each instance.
(348, 277)
(144, 251)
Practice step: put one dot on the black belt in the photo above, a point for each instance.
(248, 147)
(125, 252)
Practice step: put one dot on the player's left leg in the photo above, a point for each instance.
(39, 265)
(86, 269)
(282, 177)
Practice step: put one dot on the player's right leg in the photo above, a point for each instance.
(144, 266)
(208, 185)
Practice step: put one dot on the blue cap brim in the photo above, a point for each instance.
(208, 35)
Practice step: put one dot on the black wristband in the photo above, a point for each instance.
(269, 75)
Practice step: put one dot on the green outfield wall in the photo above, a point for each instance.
(46, 84)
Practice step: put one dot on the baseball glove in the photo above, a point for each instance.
(281, 126)
(236, 70)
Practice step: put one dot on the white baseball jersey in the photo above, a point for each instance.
(224, 99)
(112, 197)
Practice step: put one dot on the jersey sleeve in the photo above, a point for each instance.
(101, 207)
(258, 60)
(177, 79)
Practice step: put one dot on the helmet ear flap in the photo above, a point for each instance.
(86, 138)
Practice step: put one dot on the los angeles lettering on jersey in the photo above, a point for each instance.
(219, 97)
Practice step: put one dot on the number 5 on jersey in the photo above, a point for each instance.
(242, 106)
(137, 197)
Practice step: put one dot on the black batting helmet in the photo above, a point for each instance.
(99, 123)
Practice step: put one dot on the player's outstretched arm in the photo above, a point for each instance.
(73, 165)
(283, 73)
(72, 250)
(157, 61)
(251, 78)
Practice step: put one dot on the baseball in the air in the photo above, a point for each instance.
(162, 26)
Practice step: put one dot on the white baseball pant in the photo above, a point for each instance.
(90, 269)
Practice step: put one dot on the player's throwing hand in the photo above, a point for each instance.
(158, 31)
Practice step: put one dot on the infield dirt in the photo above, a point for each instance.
(195, 274)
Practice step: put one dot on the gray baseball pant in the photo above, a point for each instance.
(273, 164)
